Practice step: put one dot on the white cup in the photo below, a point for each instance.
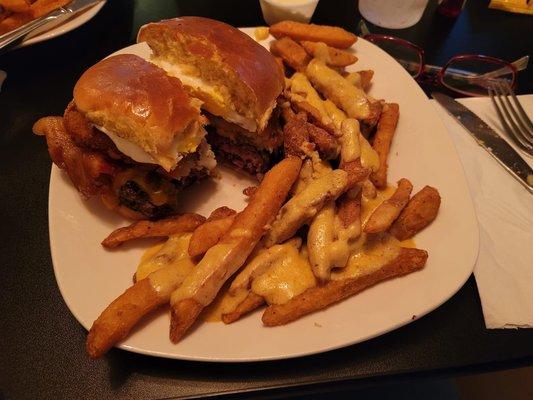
(280, 10)
(392, 14)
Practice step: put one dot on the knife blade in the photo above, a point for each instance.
(487, 138)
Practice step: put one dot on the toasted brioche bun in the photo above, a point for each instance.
(241, 76)
(139, 102)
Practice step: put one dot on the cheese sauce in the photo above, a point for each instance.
(369, 205)
(287, 278)
(223, 303)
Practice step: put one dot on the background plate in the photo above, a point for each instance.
(90, 277)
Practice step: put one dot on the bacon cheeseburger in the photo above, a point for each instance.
(237, 80)
(132, 135)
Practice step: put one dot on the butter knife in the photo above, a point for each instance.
(487, 138)
(73, 8)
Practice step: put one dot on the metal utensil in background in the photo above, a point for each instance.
(487, 138)
(73, 8)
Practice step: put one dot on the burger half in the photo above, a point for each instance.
(237, 80)
(132, 135)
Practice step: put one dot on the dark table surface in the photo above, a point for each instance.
(42, 345)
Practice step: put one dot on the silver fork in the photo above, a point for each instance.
(512, 116)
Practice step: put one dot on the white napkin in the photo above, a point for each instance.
(504, 268)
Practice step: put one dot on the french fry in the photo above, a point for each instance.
(16, 6)
(42, 7)
(369, 123)
(361, 79)
(14, 20)
(249, 191)
(335, 114)
(315, 116)
(349, 209)
(291, 53)
(296, 135)
(333, 57)
(301, 208)
(250, 303)
(320, 297)
(147, 294)
(382, 142)
(209, 233)
(356, 172)
(230, 253)
(387, 212)
(419, 212)
(368, 189)
(326, 144)
(149, 229)
(331, 35)
(340, 91)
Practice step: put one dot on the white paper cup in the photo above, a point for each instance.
(392, 14)
(280, 10)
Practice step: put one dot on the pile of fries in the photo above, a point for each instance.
(320, 227)
(15, 13)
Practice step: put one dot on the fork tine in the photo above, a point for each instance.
(495, 98)
(507, 111)
(525, 119)
(515, 120)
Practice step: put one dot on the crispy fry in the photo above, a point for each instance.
(291, 53)
(349, 208)
(421, 210)
(15, 5)
(301, 208)
(250, 303)
(121, 316)
(316, 117)
(361, 79)
(382, 142)
(209, 233)
(331, 35)
(320, 297)
(146, 229)
(334, 57)
(356, 172)
(339, 90)
(296, 135)
(368, 189)
(279, 61)
(326, 144)
(387, 212)
(369, 123)
(225, 258)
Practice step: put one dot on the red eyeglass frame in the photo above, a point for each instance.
(424, 77)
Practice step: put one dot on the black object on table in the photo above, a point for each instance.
(42, 353)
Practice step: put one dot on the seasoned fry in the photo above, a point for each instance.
(296, 135)
(121, 315)
(349, 208)
(368, 189)
(356, 172)
(314, 115)
(385, 214)
(304, 205)
(382, 142)
(361, 79)
(339, 90)
(147, 229)
(209, 233)
(333, 57)
(369, 123)
(15, 5)
(331, 35)
(225, 258)
(250, 303)
(326, 144)
(291, 53)
(334, 113)
(320, 297)
(421, 210)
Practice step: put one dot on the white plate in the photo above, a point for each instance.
(60, 27)
(90, 277)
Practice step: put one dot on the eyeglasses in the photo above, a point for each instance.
(468, 74)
